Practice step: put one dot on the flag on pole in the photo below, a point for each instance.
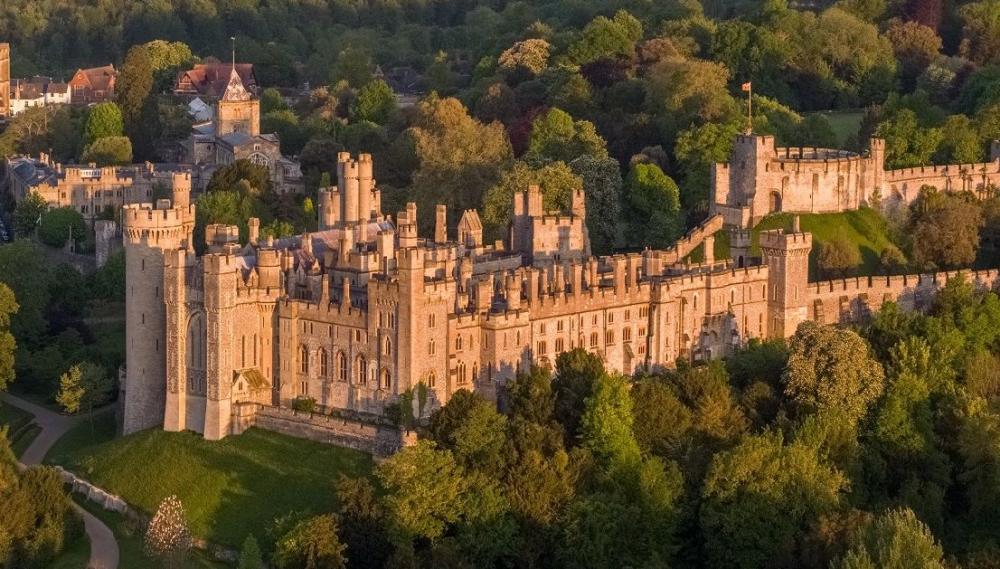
(746, 87)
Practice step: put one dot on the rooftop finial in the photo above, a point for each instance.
(233, 39)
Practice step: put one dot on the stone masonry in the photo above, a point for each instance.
(365, 309)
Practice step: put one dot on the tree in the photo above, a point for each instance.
(28, 213)
(470, 427)
(606, 38)
(894, 540)
(577, 372)
(606, 424)
(71, 390)
(530, 396)
(424, 487)
(311, 544)
(556, 136)
(103, 119)
(830, 367)
(602, 187)
(167, 536)
(133, 88)
(109, 151)
(555, 180)
(838, 256)
(459, 158)
(653, 206)
(944, 229)
(352, 66)
(758, 496)
(697, 150)
(661, 420)
(60, 224)
(229, 177)
(906, 143)
(915, 45)
(530, 55)
(960, 142)
(362, 523)
(250, 557)
(981, 31)
(375, 103)
(8, 345)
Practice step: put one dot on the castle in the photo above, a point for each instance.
(365, 310)
(761, 179)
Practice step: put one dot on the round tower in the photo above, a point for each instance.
(149, 234)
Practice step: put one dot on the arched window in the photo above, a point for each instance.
(196, 354)
(324, 364)
(431, 379)
(430, 347)
(461, 373)
(385, 379)
(387, 347)
(341, 366)
(304, 359)
(361, 367)
(458, 342)
(259, 159)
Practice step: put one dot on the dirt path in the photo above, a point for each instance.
(103, 546)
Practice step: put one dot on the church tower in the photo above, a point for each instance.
(238, 110)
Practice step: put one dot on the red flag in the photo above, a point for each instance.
(746, 87)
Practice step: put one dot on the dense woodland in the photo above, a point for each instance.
(842, 448)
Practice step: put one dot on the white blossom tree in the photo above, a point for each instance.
(168, 536)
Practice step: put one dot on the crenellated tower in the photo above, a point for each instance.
(151, 233)
(786, 254)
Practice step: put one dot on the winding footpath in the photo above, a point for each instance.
(103, 546)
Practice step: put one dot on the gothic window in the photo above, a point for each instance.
(593, 339)
(385, 379)
(560, 345)
(627, 334)
(196, 354)
(430, 347)
(609, 337)
(542, 348)
(387, 347)
(324, 364)
(461, 373)
(430, 320)
(458, 342)
(304, 359)
(341, 366)
(361, 366)
(431, 380)
(259, 159)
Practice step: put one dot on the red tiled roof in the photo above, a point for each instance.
(210, 79)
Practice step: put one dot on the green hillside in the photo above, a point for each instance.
(865, 228)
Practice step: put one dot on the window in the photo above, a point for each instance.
(593, 339)
(387, 347)
(609, 337)
(304, 359)
(559, 326)
(458, 342)
(324, 364)
(361, 367)
(611, 317)
(642, 349)
(643, 312)
(430, 320)
(385, 379)
(430, 347)
(628, 315)
(462, 378)
(594, 322)
(303, 388)
(541, 328)
(642, 331)
(542, 348)
(341, 366)
(560, 346)
(431, 380)
(627, 335)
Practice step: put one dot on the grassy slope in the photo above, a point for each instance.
(21, 428)
(229, 488)
(845, 124)
(864, 227)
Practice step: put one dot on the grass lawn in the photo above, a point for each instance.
(76, 555)
(21, 427)
(845, 124)
(130, 543)
(229, 488)
(864, 227)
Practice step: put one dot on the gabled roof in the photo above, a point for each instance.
(470, 220)
(255, 379)
(98, 78)
(210, 79)
(235, 90)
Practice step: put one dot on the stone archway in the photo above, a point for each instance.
(774, 202)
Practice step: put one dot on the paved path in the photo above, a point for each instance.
(103, 546)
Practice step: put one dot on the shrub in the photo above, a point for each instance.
(304, 404)
(56, 224)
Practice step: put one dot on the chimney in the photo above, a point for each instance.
(441, 224)
(345, 294)
(254, 230)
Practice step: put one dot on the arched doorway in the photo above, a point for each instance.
(774, 203)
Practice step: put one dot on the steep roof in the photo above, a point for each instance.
(210, 79)
(98, 78)
(235, 90)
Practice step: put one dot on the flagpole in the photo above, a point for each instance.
(749, 108)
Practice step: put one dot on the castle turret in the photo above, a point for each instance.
(787, 256)
(149, 235)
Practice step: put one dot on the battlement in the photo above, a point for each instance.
(915, 173)
(145, 215)
(780, 239)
